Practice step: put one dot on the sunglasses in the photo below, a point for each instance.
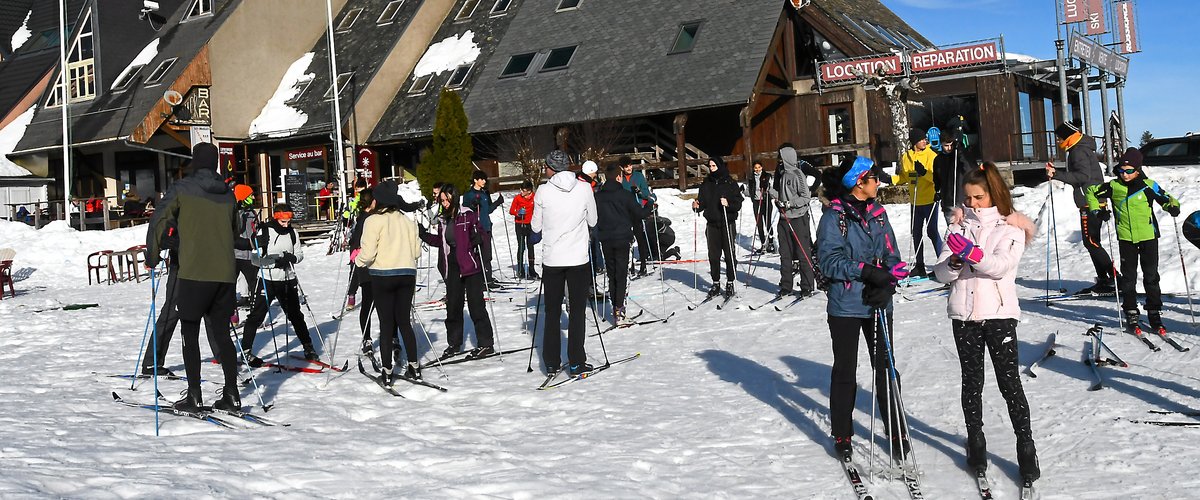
(1127, 171)
(283, 216)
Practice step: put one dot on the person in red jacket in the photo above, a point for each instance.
(522, 211)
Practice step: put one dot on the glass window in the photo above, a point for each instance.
(81, 64)
(420, 84)
(348, 20)
(839, 123)
(127, 78)
(501, 6)
(343, 80)
(518, 65)
(686, 38)
(567, 5)
(559, 58)
(1169, 149)
(1026, 126)
(200, 8)
(857, 26)
(390, 11)
(301, 87)
(459, 76)
(160, 72)
(886, 36)
(467, 9)
(1048, 131)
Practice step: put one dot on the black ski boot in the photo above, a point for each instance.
(533, 275)
(976, 450)
(580, 369)
(1133, 321)
(413, 372)
(230, 400)
(251, 359)
(900, 449)
(918, 271)
(841, 445)
(192, 402)
(771, 246)
(713, 291)
(1027, 462)
(450, 352)
(389, 378)
(310, 353)
(481, 352)
(160, 371)
(368, 347)
(1156, 324)
(728, 290)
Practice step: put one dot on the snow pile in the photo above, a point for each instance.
(143, 58)
(277, 118)
(448, 54)
(1021, 58)
(733, 402)
(22, 34)
(10, 135)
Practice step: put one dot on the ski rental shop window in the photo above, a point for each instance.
(81, 68)
(837, 125)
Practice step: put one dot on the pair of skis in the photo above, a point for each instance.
(377, 377)
(206, 414)
(984, 485)
(725, 301)
(550, 383)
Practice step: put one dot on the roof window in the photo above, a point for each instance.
(390, 11)
(157, 75)
(200, 8)
(349, 19)
(559, 58)
(518, 64)
(467, 10)
(686, 38)
(567, 5)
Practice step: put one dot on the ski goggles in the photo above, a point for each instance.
(282, 216)
(1127, 170)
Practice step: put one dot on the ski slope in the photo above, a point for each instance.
(721, 404)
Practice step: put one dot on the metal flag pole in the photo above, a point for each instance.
(64, 100)
(338, 149)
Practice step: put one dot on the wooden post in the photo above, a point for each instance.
(680, 123)
(747, 130)
(37, 214)
(107, 217)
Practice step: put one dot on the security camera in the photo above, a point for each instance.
(149, 6)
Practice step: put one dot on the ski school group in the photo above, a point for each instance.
(211, 233)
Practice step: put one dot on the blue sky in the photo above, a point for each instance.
(1161, 95)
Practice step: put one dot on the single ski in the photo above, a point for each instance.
(549, 378)
(170, 410)
(767, 303)
(377, 379)
(985, 486)
(1137, 332)
(794, 301)
(702, 302)
(726, 301)
(1162, 333)
(454, 360)
(912, 483)
(1164, 423)
(1186, 413)
(127, 376)
(290, 368)
(585, 375)
(457, 357)
(856, 481)
(912, 280)
(420, 382)
(1091, 362)
(322, 364)
(1046, 354)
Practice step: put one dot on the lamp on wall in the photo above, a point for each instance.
(174, 99)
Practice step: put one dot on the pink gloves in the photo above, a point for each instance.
(899, 272)
(964, 248)
(354, 254)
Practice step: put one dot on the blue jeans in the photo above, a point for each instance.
(925, 216)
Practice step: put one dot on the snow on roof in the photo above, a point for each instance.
(447, 55)
(143, 58)
(9, 136)
(1021, 58)
(23, 33)
(277, 119)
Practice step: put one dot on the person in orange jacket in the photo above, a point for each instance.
(522, 212)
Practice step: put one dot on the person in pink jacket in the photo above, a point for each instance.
(979, 261)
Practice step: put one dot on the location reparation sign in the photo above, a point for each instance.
(845, 70)
(1126, 27)
(955, 57)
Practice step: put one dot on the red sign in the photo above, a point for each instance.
(306, 154)
(845, 70)
(227, 160)
(1074, 11)
(368, 164)
(1095, 17)
(1126, 27)
(955, 57)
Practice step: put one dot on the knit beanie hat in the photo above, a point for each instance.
(915, 135)
(1065, 130)
(387, 194)
(1132, 157)
(558, 161)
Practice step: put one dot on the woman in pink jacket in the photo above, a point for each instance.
(980, 260)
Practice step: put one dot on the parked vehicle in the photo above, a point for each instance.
(1172, 151)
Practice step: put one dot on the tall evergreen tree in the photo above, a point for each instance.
(449, 160)
(1146, 137)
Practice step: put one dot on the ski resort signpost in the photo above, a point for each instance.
(844, 71)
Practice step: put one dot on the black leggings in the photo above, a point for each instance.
(843, 383)
(574, 281)
(719, 244)
(214, 301)
(1091, 241)
(469, 288)
(288, 295)
(365, 306)
(524, 241)
(1147, 253)
(616, 261)
(999, 336)
(394, 296)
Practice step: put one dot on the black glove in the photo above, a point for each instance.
(1173, 210)
(878, 297)
(499, 200)
(476, 240)
(152, 259)
(920, 168)
(286, 260)
(1102, 214)
(877, 277)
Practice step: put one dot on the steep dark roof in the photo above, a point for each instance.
(413, 115)
(38, 55)
(873, 24)
(361, 50)
(120, 37)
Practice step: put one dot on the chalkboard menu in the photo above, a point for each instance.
(296, 187)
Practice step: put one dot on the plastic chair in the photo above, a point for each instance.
(6, 260)
(98, 261)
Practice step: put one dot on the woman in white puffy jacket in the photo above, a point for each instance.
(979, 261)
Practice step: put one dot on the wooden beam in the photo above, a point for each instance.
(187, 142)
(197, 73)
(680, 123)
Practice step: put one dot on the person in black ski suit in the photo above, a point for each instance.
(478, 199)
(758, 185)
(366, 203)
(203, 210)
(719, 200)
(949, 169)
(1083, 171)
(618, 212)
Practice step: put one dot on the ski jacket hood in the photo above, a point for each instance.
(847, 240)
(563, 211)
(986, 290)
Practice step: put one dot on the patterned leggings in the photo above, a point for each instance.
(1000, 338)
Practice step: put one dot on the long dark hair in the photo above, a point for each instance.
(831, 179)
(987, 176)
(449, 190)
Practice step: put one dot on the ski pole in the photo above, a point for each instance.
(662, 270)
(874, 366)
(695, 236)
(154, 340)
(1187, 284)
(492, 320)
(151, 317)
(1116, 281)
(262, 287)
(732, 254)
(537, 311)
(437, 362)
(1054, 229)
(901, 418)
(316, 323)
(595, 319)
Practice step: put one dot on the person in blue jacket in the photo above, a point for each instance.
(477, 198)
(857, 252)
(634, 181)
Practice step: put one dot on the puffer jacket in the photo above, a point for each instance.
(273, 241)
(1133, 205)
(458, 239)
(564, 210)
(389, 245)
(987, 290)
(867, 240)
(1083, 167)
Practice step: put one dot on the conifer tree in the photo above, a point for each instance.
(449, 159)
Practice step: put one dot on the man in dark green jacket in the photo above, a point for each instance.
(1132, 196)
(204, 212)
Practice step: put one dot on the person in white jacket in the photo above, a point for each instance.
(277, 250)
(564, 211)
(979, 261)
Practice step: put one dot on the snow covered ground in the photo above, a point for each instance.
(725, 404)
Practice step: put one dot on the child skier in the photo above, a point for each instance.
(522, 211)
(980, 261)
(278, 250)
(1132, 195)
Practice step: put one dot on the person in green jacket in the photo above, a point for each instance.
(1132, 196)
